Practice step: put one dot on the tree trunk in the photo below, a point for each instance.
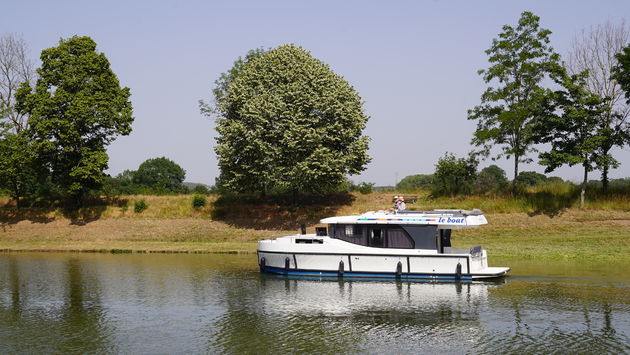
(583, 192)
(605, 178)
(516, 157)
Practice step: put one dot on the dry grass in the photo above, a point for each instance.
(171, 224)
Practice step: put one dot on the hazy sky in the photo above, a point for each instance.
(414, 63)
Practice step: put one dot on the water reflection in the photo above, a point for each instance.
(78, 303)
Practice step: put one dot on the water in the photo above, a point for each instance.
(165, 304)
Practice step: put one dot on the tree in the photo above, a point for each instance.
(414, 182)
(17, 165)
(594, 51)
(454, 176)
(15, 68)
(288, 123)
(491, 178)
(520, 60)
(575, 134)
(76, 109)
(160, 174)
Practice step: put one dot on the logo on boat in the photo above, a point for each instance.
(451, 220)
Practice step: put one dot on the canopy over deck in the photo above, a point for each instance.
(451, 219)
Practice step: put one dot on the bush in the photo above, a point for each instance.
(198, 202)
(140, 206)
(414, 182)
(491, 178)
(201, 190)
(365, 187)
(531, 178)
(454, 176)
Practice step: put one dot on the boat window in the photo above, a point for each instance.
(398, 238)
(377, 239)
(309, 241)
(353, 233)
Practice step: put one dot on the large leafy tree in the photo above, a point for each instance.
(160, 174)
(594, 51)
(575, 132)
(287, 122)
(520, 60)
(76, 109)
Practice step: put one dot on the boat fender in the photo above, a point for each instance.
(287, 263)
(458, 271)
(263, 263)
(399, 269)
(341, 267)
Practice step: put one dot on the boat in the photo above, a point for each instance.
(382, 244)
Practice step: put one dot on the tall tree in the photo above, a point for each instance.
(76, 109)
(575, 133)
(288, 123)
(521, 58)
(594, 50)
(15, 68)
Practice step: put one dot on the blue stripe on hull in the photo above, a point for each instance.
(294, 272)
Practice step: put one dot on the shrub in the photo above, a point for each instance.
(414, 182)
(140, 206)
(198, 202)
(454, 176)
(491, 178)
(530, 178)
(201, 190)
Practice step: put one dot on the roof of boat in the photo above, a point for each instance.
(450, 218)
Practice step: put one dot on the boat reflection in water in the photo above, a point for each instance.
(340, 296)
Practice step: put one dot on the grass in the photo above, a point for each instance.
(527, 227)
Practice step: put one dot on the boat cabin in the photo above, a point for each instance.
(428, 230)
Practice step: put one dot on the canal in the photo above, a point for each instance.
(212, 303)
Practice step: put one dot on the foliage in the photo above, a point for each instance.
(414, 182)
(531, 178)
(17, 165)
(595, 52)
(491, 178)
(160, 173)
(288, 123)
(454, 176)
(140, 205)
(520, 59)
(76, 109)
(201, 189)
(575, 133)
(364, 187)
(198, 201)
(622, 71)
(222, 84)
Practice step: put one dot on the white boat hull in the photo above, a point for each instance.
(337, 258)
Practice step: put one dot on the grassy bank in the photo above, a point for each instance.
(521, 228)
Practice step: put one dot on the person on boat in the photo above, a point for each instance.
(401, 205)
(396, 203)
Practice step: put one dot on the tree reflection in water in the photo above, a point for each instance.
(78, 303)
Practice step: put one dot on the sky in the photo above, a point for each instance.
(414, 63)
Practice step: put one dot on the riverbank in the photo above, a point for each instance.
(171, 225)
